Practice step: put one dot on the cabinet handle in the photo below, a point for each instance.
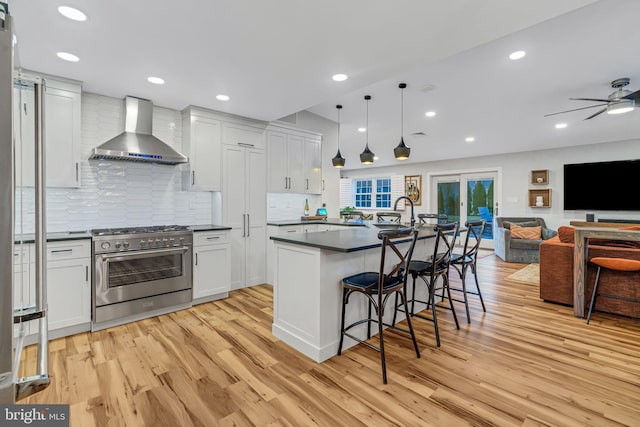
(196, 258)
(76, 171)
(244, 144)
(213, 237)
(193, 177)
(286, 183)
(323, 185)
(248, 225)
(244, 230)
(86, 273)
(61, 250)
(289, 183)
(307, 183)
(292, 231)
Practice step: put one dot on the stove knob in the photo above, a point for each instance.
(105, 245)
(171, 239)
(143, 243)
(157, 240)
(125, 244)
(182, 239)
(118, 245)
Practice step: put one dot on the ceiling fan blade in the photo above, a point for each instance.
(635, 95)
(589, 99)
(596, 114)
(575, 109)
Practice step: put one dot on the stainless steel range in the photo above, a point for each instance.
(140, 270)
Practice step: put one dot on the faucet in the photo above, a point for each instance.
(395, 207)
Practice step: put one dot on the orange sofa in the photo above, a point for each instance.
(556, 274)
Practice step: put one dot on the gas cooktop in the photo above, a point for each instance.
(138, 230)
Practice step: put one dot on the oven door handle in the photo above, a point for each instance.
(142, 254)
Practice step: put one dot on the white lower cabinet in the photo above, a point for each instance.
(69, 285)
(211, 265)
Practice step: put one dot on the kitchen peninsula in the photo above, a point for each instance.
(307, 297)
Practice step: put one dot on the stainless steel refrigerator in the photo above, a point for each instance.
(21, 140)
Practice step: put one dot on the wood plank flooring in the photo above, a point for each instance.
(522, 363)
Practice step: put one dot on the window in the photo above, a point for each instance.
(368, 190)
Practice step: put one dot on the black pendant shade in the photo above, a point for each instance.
(338, 161)
(367, 156)
(402, 152)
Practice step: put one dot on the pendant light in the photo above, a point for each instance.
(402, 152)
(367, 156)
(338, 161)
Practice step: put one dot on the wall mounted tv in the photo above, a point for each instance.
(603, 186)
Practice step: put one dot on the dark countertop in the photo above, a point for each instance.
(54, 237)
(330, 221)
(347, 240)
(209, 227)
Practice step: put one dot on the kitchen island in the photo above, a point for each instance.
(307, 294)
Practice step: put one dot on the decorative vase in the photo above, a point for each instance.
(539, 201)
(540, 180)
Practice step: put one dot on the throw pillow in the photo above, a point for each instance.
(529, 233)
(566, 233)
(508, 224)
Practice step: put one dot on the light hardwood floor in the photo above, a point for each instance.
(523, 363)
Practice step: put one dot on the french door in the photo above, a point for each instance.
(467, 196)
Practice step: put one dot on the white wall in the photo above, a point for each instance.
(117, 193)
(516, 169)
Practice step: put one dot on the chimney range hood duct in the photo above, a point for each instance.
(136, 143)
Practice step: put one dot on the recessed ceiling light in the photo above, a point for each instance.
(519, 54)
(155, 80)
(339, 77)
(72, 13)
(362, 129)
(222, 97)
(469, 139)
(430, 113)
(561, 125)
(68, 56)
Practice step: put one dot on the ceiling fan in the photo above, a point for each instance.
(619, 101)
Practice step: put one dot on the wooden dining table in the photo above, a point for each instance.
(581, 257)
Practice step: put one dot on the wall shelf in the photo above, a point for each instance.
(544, 193)
(540, 177)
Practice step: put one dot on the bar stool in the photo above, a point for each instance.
(617, 264)
(467, 259)
(439, 218)
(437, 266)
(389, 216)
(377, 287)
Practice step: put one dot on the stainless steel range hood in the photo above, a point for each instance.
(136, 143)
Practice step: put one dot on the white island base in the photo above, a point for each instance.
(308, 296)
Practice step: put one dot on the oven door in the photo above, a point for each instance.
(133, 275)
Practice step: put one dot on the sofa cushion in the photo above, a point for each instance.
(529, 233)
(525, 244)
(566, 233)
(507, 224)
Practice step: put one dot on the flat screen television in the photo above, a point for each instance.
(604, 186)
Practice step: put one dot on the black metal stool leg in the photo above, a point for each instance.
(595, 295)
(369, 321)
(463, 274)
(413, 296)
(475, 274)
(382, 360)
(445, 279)
(432, 290)
(413, 335)
(344, 307)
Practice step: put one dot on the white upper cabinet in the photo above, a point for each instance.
(62, 133)
(294, 161)
(201, 142)
(243, 135)
(62, 115)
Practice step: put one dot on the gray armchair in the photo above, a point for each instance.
(519, 250)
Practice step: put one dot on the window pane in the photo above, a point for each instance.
(383, 200)
(383, 186)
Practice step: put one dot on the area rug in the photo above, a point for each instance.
(529, 275)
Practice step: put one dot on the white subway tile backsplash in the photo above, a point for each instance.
(119, 194)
